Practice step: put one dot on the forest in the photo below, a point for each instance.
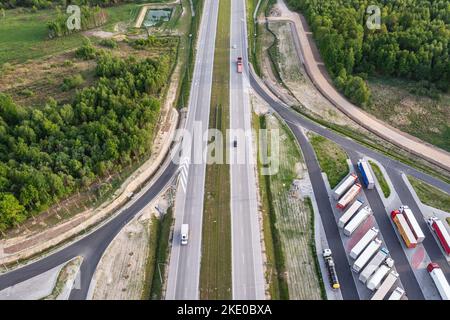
(50, 152)
(412, 43)
(44, 4)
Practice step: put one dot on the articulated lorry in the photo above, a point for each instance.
(357, 220)
(351, 194)
(439, 279)
(412, 222)
(366, 255)
(239, 64)
(332, 275)
(349, 213)
(373, 265)
(344, 186)
(366, 173)
(375, 280)
(404, 229)
(397, 294)
(363, 242)
(384, 288)
(441, 232)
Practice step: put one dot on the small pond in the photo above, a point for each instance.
(154, 16)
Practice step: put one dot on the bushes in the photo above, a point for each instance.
(109, 43)
(72, 82)
(86, 51)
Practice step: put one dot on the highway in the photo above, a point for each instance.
(184, 266)
(247, 266)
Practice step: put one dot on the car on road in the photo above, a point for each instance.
(184, 234)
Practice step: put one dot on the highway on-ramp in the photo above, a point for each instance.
(184, 266)
(247, 267)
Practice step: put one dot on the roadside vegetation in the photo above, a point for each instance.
(381, 180)
(215, 273)
(293, 271)
(332, 158)
(430, 195)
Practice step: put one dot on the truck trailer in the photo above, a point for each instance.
(384, 288)
(344, 186)
(373, 265)
(413, 224)
(441, 232)
(366, 255)
(397, 294)
(363, 242)
(332, 275)
(366, 173)
(351, 194)
(349, 213)
(439, 279)
(404, 229)
(375, 280)
(357, 220)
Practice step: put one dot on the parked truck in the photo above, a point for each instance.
(332, 275)
(239, 64)
(357, 220)
(397, 294)
(366, 173)
(373, 265)
(184, 234)
(349, 196)
(441, 232)
(439, 280)
(349, 213)
(363, 242)
(344, 186)
(375, 280)
(366, 255)
(387, 284)
(404, 229)
(412, 222)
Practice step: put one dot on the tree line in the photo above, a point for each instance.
(48, 153)
(45, 4)
(411, 43)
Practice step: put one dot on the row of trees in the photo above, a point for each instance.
(412, 43)
(43, 4)
(48, 153)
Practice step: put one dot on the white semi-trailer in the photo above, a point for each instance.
(363, 242)
(412, 222)
(397, 294)
(373, 265)
(375, 280)
(357, 220)
(439, 280)
(349, 213)
(366, 173)
(344, 186)
(365, 256)
(384, 288)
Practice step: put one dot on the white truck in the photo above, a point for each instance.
(413, 224)
(366, 255)
(184, 234)
(366, 173)
(384, 288)
(439, 280)
(363, 242)
(357, 220)
(373, 265)
(375, 280)
(397, 294)
(344, 186)
(349, 213)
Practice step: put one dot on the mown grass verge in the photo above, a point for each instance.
(215, 272)
(332, 158)
(381, 180)
(430, 195)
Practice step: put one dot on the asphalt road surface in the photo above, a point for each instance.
(184, 266)
(247, 266)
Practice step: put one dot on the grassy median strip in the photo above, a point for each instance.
(381, 180)
(215, 275)
(332, 158)
(430, 195)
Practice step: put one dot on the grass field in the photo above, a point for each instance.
(24, 35)
(381, 180)
(430, 195)
(215, 274)
(291, 224)
(332, 158)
